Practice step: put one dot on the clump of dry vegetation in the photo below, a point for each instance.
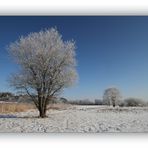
(15, 107)
(22, 107)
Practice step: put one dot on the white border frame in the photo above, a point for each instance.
(74, 7)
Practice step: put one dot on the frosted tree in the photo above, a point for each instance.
(47, 66)
(111, 96)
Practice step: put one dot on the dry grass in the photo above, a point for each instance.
(15, 107)
(22, 107)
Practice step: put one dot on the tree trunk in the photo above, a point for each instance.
(42, 107)
(114, 104)
(42, 112)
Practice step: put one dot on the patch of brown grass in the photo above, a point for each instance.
(15, 107)
(22, 107)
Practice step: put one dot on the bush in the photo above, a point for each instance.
(55, 100)
(82, 102)
(134, 102)
(6, 96)
(121, 104)
(98, 102)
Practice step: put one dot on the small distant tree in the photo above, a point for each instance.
(111, 96)
(63, 100)
(47, 66)
(7, 96)
(98, 102)
(134, 102)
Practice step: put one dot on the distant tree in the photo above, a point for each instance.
(111, 96)
(7, 96)
(47, 66)
(82, 102)
(55, 100)
(85, 102)
(98, 102)
(134, 102)
(63, 100)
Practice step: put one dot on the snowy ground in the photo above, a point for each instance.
(78, 119)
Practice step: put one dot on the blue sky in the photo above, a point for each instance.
(111, 51)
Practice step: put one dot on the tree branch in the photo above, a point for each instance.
(33, 98)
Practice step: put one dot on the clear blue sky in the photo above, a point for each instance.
(111, 51)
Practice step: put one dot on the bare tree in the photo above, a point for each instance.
(111, 96)
(47, 66)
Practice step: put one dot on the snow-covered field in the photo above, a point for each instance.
(78, 119)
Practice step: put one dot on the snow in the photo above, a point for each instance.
(79, 119)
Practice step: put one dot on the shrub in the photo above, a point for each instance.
(98, 102)
(82, 102)
(134, 102)
(6, 96)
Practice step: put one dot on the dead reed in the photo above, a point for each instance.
(15, 107)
